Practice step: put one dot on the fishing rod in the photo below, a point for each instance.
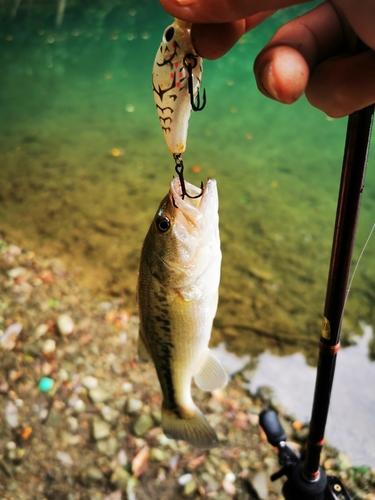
(306, 479)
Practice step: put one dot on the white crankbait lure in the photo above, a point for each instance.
(176, 78)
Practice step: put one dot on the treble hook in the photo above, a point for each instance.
(190, 66)
(179, 168)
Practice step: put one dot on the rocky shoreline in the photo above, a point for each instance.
(81, 417)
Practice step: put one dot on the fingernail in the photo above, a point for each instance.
(268, 81)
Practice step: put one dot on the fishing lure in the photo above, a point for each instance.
(176, 79)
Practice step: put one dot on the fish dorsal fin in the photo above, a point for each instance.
(211, 374)
(143, 353)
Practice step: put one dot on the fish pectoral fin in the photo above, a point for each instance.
(211, 374)
(143, 353)
(194, 428)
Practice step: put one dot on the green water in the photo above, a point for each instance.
(69, 96)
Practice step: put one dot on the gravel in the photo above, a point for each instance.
(81, 417)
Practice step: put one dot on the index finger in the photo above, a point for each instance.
(222, 11)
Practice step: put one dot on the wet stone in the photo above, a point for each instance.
(142, 425)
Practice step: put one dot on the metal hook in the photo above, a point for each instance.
(180, 172)
(190, 66)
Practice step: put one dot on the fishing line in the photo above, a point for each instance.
(358, 261)
(331, 412)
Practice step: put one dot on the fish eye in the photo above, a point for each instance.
(169, 34)
(162, 223)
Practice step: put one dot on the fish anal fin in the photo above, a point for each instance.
(143, 353)
(211, 374)
(194, 429)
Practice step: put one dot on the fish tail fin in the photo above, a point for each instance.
(191, 426)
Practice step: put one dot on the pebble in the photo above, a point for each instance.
(46, 384)
(16, 272)
(100, 430)
(133, 405)
(65, 324)
(158, 455)
(64, 458)
(127, 387)
(9, 338)
(90, 382)
(120, 478)
(110, 414)
(40, 331)
(11, 414)
(108, 446)
(229, 487)
(77, 404)
(142, 425)
(183, 480)
(190, 487)
(91, 474)
(49, 346)
(98, 395)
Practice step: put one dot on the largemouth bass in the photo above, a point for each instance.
(177, 293)
(170, 83)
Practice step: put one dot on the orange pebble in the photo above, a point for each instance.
(297, 425)
(196, 169)
(26, 432)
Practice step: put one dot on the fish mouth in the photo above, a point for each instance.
(194, 213)
(196, 198)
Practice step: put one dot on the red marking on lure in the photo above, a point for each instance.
(171, 75)
(176, 65)
(178, 84)
(180, 75)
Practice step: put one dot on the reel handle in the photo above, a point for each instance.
(270, 423)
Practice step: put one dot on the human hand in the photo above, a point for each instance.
(312, 54)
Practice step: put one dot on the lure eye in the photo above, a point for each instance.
(162, 223)
(169, 34)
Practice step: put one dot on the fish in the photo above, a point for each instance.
(177, 294)
(170, 83)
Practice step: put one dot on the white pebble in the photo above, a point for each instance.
(11, 414)
(65, 324)
(127, 387)
(186, 478)
(49, 346)
(40, 331)
(90, 382)
(229, 476)
(8, 340)
(64, 458)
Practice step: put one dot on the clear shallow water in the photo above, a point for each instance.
(68, 97)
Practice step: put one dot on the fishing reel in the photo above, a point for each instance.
(297, 487)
